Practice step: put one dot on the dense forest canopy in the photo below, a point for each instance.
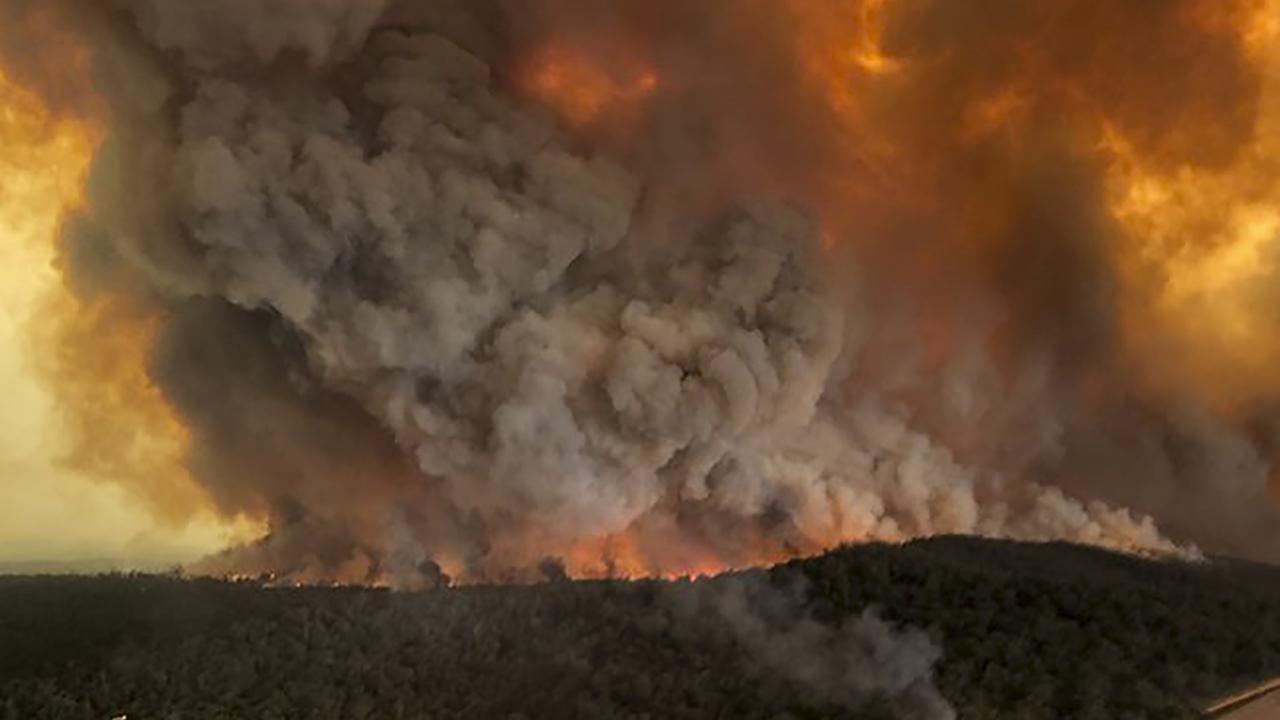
(1024, 630)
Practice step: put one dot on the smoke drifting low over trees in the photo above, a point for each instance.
(1013, 631)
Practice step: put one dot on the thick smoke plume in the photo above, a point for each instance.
(444, 288)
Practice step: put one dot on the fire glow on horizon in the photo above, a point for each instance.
(1192, 242)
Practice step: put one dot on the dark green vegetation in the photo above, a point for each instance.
(1027, 631)
(1064, 631)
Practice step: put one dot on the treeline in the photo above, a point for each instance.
(1026, 631)
(1063, 631)
(150, 647)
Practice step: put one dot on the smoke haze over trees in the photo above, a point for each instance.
(1007, 630)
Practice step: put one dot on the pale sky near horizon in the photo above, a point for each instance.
(49, 512)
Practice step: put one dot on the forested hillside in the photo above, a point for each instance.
(1024, 631)
(1060, 630)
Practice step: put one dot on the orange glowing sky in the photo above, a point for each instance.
(50, 511)
(581, 90)
(1213, 235)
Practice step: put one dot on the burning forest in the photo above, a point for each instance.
(429, 290)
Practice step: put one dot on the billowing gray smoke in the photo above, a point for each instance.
(847, 664)
(418, 325)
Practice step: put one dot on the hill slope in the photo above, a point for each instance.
(1026, 631)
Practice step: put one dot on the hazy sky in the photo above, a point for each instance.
(49, 512)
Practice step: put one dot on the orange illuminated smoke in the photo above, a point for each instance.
(44, 160)
(1211, 235)
(91, 355)
(842, 47)
(581, 89)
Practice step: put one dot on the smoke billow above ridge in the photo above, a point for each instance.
(445, 288)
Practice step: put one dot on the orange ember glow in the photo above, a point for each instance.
(581, 90)
(627, 555)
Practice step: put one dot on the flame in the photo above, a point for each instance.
(581, 89)
(626, 555)
(650, 548)
(1198, 253)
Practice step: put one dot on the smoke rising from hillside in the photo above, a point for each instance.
(847, 664)
(652, 288)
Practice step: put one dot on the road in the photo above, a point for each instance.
(1260, 702)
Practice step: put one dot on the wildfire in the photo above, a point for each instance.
(1201, 239)
(844, 48)
(1211, 238)
(948, 153)
(625, 555)
(78, 367)
(121, 425)
(580, 89)
(44, 165)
